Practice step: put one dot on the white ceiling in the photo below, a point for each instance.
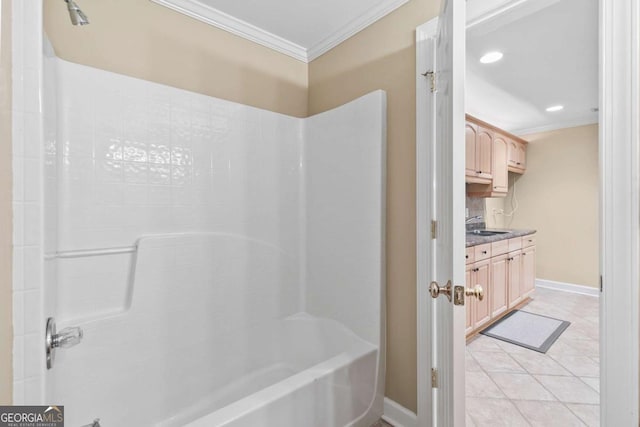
(303, 29)
(550, 58)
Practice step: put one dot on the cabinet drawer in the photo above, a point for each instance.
(500, 247)
(469, 258)
(529, 240)
(515, 244)
(482, 252)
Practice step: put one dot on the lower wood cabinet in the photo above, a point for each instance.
(528, 283)
(514, 267)
(507, 275)
(479, 275)
(499, 285)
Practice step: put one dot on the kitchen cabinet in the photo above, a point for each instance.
(500, 172)
(499, 289)
(478, 272)
(516, 156)
(506, 271)
(491, 153)
(479, 147)
(468, 305)
(481, 312)
(514, 266)
(528, 283)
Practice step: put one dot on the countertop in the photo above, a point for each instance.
(474, 240)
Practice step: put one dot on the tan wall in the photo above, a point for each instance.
(383, 57)
(498, 204)
(142, 39)
(558, 196)
(6, 330)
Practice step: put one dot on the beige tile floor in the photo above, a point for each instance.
(510, 386)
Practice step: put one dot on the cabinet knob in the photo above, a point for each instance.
(484, 252)
(478, 171)
(466, 256)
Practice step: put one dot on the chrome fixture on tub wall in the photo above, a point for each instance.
(78, 17)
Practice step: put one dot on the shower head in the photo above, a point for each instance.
(76, 15)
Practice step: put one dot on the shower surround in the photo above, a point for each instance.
(226, 263)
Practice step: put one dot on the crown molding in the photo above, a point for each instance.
(224, 21)
(556, 126)
(355, 26)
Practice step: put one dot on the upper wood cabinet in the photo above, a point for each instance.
(491, 154)
(478, 143)
(517, 156)
(500, 171)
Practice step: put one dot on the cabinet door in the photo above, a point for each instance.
(515, 277)
(470, 132)
(484, 145)
(480, 276)
(528, 271)
(498, 291)
(522, 156)
(513, 153)
(499, 170)
(469, 306)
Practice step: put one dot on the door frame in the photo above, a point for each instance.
(619, 138)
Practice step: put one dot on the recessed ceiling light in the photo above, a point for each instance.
(555, 108)
(491, 57)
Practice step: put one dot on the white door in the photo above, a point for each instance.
(441, 199)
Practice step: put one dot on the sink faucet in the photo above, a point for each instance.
(468, 220)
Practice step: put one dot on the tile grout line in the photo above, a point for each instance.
(550, 357)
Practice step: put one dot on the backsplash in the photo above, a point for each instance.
(476, 208)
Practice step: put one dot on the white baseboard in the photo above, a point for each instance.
(397, 415)
(568, 287)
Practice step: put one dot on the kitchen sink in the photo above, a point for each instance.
(486, 232)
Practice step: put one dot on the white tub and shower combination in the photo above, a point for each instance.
(226, 263)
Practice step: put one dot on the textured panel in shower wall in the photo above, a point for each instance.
(137, 158)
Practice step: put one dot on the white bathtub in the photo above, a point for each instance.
(311, 372)
(241, 286)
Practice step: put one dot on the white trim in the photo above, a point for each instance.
(619, 211)
(568, 287)
(212, 16)
(397, 415)
(355, 26)
(481, 11)
(555, 126)
(425, 35)
(224, 21)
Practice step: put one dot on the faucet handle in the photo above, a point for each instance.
(68, 337)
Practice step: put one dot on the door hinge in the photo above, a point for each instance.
(434, 378)
(431, 75)
(434, 229)
(600, 283)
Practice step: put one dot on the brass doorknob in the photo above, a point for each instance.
(476, 291)
(436, 290)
